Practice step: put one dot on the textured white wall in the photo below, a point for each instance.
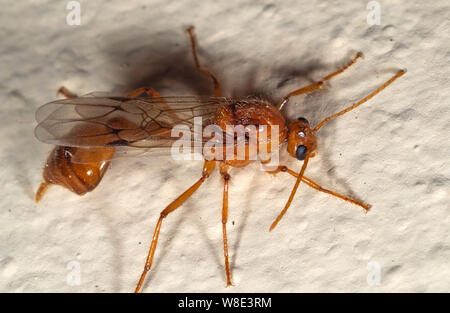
(392, 152)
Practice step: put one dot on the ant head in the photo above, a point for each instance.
(301, 138)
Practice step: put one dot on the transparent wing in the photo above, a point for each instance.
(136, 126)
(92, 121)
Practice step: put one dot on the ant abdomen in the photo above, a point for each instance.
(80, 178)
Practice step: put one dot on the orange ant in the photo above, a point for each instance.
(89, 131)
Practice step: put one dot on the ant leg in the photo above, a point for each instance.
(316, 186)
(134, 94)
(319, 84)
(66, 93)
(144, 90)
(203, 70)
(154, 94)
(226, 179)
(207, 170)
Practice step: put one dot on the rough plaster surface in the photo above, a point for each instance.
(392, 152)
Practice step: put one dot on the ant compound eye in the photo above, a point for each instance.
(301, 152)
(302, 119)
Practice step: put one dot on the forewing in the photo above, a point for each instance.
(120, 121)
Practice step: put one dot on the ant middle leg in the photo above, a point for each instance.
(317, 85)
(208, 168)
(203, 70)
(226, 178)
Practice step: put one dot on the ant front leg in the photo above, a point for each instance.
(316, 186)
(226, 178)
(207, 170)
(203, 70)
(317, 85)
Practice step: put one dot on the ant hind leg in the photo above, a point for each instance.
(66, 93)
(207, 170)
(203, 70)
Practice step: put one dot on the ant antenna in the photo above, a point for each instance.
(294, 190)
(357, 104)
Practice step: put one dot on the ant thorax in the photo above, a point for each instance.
(254, 116)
